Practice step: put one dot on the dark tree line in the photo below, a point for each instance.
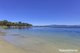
(7, 23)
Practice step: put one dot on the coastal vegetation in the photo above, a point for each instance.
(8, 24)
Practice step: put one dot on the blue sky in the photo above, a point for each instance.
(41, 12)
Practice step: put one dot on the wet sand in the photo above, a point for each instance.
(5, 47)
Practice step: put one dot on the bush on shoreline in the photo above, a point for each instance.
(6, 24)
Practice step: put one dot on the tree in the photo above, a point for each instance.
(19, 24)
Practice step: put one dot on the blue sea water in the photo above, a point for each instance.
(40, 38)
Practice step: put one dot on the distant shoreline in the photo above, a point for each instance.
(60, 26)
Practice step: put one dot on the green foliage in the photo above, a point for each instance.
(7, 23)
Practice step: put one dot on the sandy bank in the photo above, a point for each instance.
(8, 48)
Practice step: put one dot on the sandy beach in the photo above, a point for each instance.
(5, 47)
(32, 45)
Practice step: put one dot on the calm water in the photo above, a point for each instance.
(44, 39)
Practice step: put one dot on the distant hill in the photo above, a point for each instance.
(61, 26)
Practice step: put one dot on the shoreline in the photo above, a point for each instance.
(5, 47)
(32, 45)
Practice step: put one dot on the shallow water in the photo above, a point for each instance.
(44, 39)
